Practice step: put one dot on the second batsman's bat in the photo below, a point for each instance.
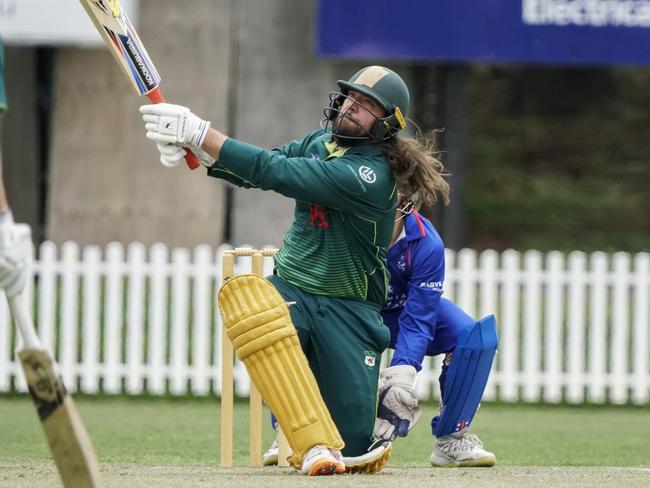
(65, 432)
(129, 52)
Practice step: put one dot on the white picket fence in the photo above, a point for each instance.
(134, 320)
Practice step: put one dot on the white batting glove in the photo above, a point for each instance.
(15, 256)
(175, 124)
(171, 155)
(398, 409)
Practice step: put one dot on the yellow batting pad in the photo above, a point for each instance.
(258, 324)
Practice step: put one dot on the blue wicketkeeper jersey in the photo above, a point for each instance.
(421, 322)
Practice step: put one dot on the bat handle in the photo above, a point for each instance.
(20, 312)
(190, 158)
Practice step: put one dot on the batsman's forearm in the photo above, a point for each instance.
(214, 142)
(4, 205)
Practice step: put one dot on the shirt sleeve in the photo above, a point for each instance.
(292, 149)
(295, 148)
(218, 171)
(335, 183)
(417, 321)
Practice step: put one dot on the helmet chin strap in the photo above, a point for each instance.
(407, 205)
(405, 209)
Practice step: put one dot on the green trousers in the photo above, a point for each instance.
(343, 341)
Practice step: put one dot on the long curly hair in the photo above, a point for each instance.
(417, 169)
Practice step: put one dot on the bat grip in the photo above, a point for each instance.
(155, 96)
(24, 322)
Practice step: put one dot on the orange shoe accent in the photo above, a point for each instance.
(326, 468)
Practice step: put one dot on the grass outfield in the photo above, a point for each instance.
(174, 442)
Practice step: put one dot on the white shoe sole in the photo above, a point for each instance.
(484, 462)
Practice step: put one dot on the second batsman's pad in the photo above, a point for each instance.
(258, 324)
(467, 376)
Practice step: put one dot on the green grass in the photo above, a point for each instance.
(185, 432)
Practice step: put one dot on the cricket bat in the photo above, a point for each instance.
(126, 47)
(69, 442)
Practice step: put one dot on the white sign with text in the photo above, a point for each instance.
(52, 22)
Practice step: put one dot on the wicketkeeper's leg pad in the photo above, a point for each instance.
(258, 323)
(467, 376)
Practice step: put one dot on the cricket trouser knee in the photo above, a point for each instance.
(258, 324)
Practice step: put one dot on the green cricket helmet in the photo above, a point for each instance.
(385, 87)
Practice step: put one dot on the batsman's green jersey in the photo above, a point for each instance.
(3, 98)
(344, 214)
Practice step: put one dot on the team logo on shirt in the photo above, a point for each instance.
(318, 216)
(367, 174)
(371, 359)
(434, 285)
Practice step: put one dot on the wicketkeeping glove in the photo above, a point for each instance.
(398, 406)
(175, 124)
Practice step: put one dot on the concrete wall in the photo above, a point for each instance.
(106, 182)
(281, 91)
(246, 65)
(20, 148)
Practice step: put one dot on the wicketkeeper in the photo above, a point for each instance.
(422, 323)
(316, 362)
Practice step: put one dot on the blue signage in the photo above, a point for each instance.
(534, 31)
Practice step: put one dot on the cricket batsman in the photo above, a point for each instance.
(316, 363)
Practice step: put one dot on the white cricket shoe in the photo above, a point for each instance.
(322, 461)
(270, 456)
(461, 449)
